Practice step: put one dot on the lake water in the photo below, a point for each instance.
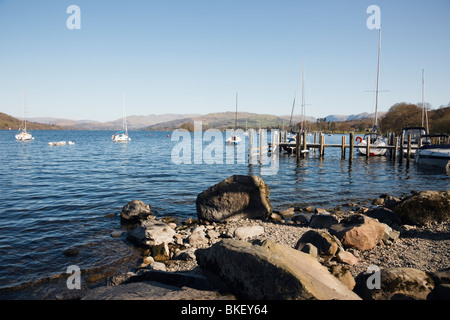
(55, 198)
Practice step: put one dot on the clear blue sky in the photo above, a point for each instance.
(192, 56)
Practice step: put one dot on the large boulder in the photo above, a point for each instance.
(395, 284)
(269, 271)
(135, 211)
(423, 207)
(234, 198)
(359, 231)
(151, 233)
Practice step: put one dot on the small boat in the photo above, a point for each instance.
(23, 135)
(59, 143)
(291, 144)
(418, 137)
(234, 140)
(434, 155)
(122, 136)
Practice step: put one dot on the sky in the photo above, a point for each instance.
(193, 56)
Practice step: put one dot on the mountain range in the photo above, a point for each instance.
(169, 121)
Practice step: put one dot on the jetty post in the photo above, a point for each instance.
(368, 147)
(343, 148)
(409, 146)
(304, 146)
(322, 143)
(352, 146)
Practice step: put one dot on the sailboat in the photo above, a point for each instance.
(23, 135)
(235, 138)
(122, 136)
(376, 139)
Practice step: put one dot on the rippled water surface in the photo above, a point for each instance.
(54, 198)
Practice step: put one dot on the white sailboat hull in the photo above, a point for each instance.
(24, 136)
(120, 137)
(233, 140)
(435, 156)
(377, 151)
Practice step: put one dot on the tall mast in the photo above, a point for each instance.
(24, 111)
(235, 118)
(292, 112)
(375, 125)
(424, 110)
(303, 96)
(124, 121)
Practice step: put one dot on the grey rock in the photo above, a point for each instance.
(322, 221)
(134, 212)
(268, 270)
(235, 198)
(150, 233)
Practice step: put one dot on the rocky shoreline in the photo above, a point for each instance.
(239, 247)
(227, 252)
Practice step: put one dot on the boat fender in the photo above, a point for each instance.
(359, 139)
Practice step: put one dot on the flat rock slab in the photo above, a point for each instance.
(152, 291)
(269, 271)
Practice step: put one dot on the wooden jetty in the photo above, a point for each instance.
(398, 147)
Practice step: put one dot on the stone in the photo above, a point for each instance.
(157, 266)
(346, 257)
(396, 284)
(152, 291)
(344, 275)
(71, 252)
(359, 231)
(134, 212)
(117, 233)
(385, 215)
(186, 255)
(322, 221)
(378, 201)
(309, 249)
(160, 252)
(150, 233)
(300, 219)
(247, 232)
(235, 198)
(326, 244)
(269, 271)
(198, 237)
(389, 234)
(288, 213)
(424, 207)
(441, 276)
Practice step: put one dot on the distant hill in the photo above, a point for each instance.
(359, 116)
(133, 122)
(8, 122)
(226, 120)
(171, 121)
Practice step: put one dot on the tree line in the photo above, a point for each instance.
(399, 116)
